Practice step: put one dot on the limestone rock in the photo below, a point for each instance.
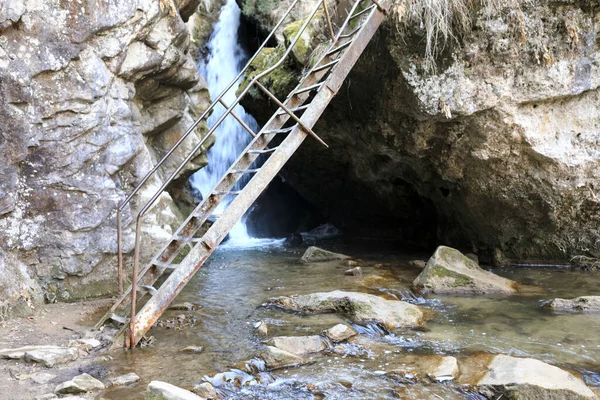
(158, 390)
(298, 345)
(261, 328)
(527, 378)
(47, 396)
(52, 357)
(420, 368)
(87, 344)
(361, 307)
(80, 384)
(42, 378)
(126, 379)
(20, 293)
(578, 304)
(446, 370)
(449, 271)
(316, 254)
(356, 271)
(206, 390)
(19, 352)
(339, 333)
(418, 264)
(275, 358)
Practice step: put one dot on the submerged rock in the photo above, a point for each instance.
(275, 358)
(578, 304)
(80, 384)
(524, 378)
(316, 254)
(361, 307)
(298, 345)
(158, 390)
(449, 271)
(339, 333)
(421, 368)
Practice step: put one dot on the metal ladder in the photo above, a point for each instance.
(195, 240)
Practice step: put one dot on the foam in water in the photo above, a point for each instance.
(225, 60)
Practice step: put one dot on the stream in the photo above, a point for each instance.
(233, 286)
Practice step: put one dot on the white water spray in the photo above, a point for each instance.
(225, 60)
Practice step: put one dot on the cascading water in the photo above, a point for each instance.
(225, 60)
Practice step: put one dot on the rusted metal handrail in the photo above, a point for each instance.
(229, 111)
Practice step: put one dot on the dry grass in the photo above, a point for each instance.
(443, 20)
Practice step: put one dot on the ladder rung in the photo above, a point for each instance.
(339, 48)
(187, 239)
(366, 10)
(244, 171)
(284, 130)
(207, 216)
(309, 88)
(119, 319)
(148, 288)
(348, 35)
(230, 193)
(164, 265)
(294, 110)
(265, 151)
(325, 66)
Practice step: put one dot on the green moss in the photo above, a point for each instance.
(460, 280)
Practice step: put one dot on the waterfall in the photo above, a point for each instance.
(225, 60)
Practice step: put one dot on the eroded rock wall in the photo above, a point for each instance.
(92, 94)
(497, 149)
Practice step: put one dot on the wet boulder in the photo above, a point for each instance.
(522, 378)
(420, 368)
(361, 307)
(578, 304)
(276, 358)
(339, 333)
(449, 271)
(316, 254)
(158, 390)
(298, 345)
(80, 384)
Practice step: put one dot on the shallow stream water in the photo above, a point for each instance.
(233, 287)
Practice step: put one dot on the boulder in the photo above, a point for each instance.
(19, 352)
(446, 370)
(578, 304)
(298, 345)
(126, 379)
(339, 333)
(80, 384)
(275, 358)
(526, 378)
(158, 390)
(206, 390)
(436, 368)
(316, 254)
(52, 357)
(361, 307)
(449, 271)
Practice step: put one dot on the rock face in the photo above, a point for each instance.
(80, 384)
(495, 149)
(158, 390)
(526, 378)
(298, 345)
(316, 254)
(579, 304)
(449, 271)
(91, 98)
(20, 293)
(361, 307)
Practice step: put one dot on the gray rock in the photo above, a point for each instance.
(275, 358)
(19, 352)
(126, 379)
(298, 345)
(578, 304)
(418, 264)
(316, 254)
(530, 379)
(52, 357)
(356, 271)
(206, 390)
(449, 271)
(361, 307)
(87, 344)
(42, 378)
(80, 384)
(339, 333)
(158, 390)
(47, 396)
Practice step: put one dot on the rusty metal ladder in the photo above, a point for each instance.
(195, 240)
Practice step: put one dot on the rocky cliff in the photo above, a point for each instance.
(92, 94)
(492, 145)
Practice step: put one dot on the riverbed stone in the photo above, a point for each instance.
(192, 349)
(449, 271)
(80, 384)
(578, 304)
(158, 390)
(339, 333)
(316, 254)
(276, 358)
(126, 379)
(206, 390)
(356, 271)
(361, 307)
(298, 345)
(436, 368)
(52, 357)
(261, 328)
(42, 378)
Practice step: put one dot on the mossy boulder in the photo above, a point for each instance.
(303, 48)
(449, 271)
(360, 307)
(578, 304)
